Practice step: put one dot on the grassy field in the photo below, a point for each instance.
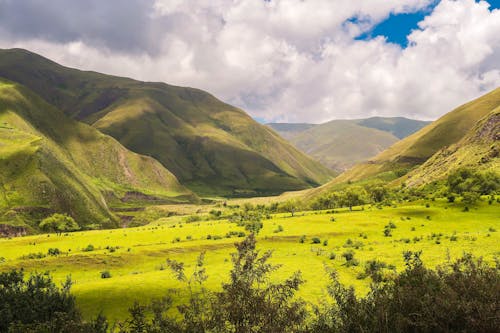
(135, 257)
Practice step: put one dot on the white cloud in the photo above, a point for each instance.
(295, 60)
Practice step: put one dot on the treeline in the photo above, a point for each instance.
(461, 296)
(463, 183)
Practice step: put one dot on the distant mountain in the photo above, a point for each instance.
(289, 130)
(466, 136)
(339, 144)
(50, 163)
(211, 147)
(400, 127)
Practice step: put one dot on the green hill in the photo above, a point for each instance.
(400, 127)
(340, 144)
(289, 130)
(50, 163)
(210, 146)
(478, 149)
(416, 149)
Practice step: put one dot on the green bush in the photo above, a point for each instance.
(59, 223)
(105, 275)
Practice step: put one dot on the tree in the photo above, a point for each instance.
(289, 206)
(59, 223)
(249, 302)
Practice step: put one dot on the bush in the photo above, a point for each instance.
(302, 239)
(332, 256)
(105, 275)
(53, 252)
(459, 297)
(89, 248)
(36, 304)
(315, 240)
(59, 223)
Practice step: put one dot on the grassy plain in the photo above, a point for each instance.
(135, 257)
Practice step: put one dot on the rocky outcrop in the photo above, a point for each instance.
(7, 230)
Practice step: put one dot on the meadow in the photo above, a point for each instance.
(135, 258)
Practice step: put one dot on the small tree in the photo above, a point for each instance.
(59, 223)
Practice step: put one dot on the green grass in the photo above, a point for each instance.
(136, 266)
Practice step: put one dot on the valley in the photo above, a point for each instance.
(136, 257)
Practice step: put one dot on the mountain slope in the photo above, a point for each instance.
(416, 149)
(289, 130)
(400, 127)
(50, 163)
(479, 149)
(339, 144)
(209, 145)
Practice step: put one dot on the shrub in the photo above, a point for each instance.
(53, 252)
(332, 256)
(325, 242)
(302, 239)
(89, 248)
(105, 275)
(315, 240)
(59, 223)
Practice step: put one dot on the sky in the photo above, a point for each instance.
(279, 60)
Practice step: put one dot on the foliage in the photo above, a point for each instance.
(462, 296)
(249, 302)
(59, 223)
(36, 304)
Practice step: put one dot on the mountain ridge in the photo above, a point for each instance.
(210, 146)
(340, 144)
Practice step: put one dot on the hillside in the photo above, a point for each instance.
(210, 146)
(339, 144)
(289, 130)
(479, 149)
(50, 163)
(415, 150)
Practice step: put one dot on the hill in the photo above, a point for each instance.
(50, 163)
(210, 146)
(289, 130)
(340, 144)
(478, 149)
(463, 123)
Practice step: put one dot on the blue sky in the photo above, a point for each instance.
(397, 27)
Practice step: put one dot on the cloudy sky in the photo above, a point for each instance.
(280, 60)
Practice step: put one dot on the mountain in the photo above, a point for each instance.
(455, 138)
(51, 163)
(289, 130)
(400, 127)
(479, 149)
(339, 144)
(210, 146)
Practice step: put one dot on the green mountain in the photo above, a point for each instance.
(400, 127)
(210, 146)
(340, 144)
(479, 149)
(451, 136)
(51, 163)
(289, 130)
